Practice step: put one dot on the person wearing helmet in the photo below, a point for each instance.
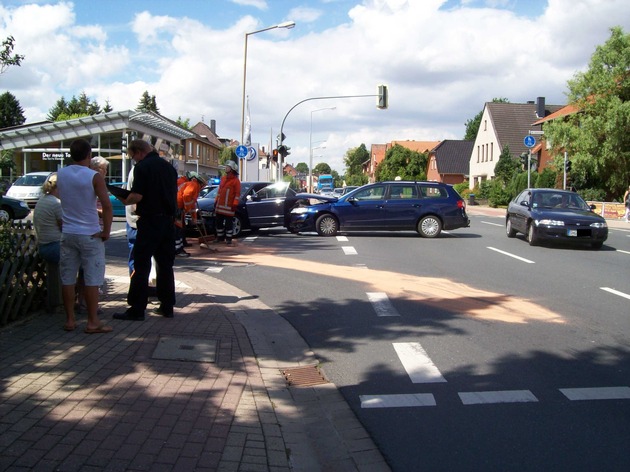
(228, 198)
(189, 195)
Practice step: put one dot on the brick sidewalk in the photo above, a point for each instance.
(186, 393)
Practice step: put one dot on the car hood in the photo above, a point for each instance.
(317, 196)
(580, 215)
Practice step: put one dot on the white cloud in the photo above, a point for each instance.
(441, 65)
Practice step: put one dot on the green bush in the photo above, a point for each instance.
(593, 194)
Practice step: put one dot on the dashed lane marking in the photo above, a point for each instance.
(597, 393)
(417, 363)
(349, 250)
(381, 304)
(511, 255)
(492, 224)
(615, 292)
(397, 401)
(119, 279)
(500, 396)
(342, 238)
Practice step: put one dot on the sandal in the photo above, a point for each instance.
(99, 329)
(68, 327)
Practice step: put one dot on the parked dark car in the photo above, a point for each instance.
(117, 206)
(262, 205)
(544, 214)
(425, 207)
(13, 209)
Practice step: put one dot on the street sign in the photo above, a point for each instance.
(253, 154)
(241, 151)
(529, 141)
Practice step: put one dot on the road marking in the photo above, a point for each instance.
(623, 252)
(492, 224)
(213, 270)
(417, 363)
(250, 238)
(397, 401)
(119, 279)
(501, 396)
(349, 250)
(615, 292)
(342, 238)
(597, 393)
(118, 231)
(511, 255)
(382, 305)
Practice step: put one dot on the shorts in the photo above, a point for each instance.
(50, 252)
(88, 252)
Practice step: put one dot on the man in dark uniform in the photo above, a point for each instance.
(154, 192)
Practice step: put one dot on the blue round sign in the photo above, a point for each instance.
(529, 141)
(241, 151)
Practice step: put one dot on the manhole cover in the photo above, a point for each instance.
(304, 376)
(186, 349)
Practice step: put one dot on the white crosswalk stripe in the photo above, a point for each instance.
(504, 396)
(597, 393)
(417, 363)
(397, 401)
(381, 304)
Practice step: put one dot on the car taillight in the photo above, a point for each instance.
(460, 204)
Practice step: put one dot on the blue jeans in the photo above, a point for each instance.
(132, 233)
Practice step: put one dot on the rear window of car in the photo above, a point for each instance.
(433, 191)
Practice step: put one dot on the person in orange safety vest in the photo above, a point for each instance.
(228, 198)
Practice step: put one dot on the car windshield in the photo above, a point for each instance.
(558, 200)
(30, 181)
(212, 193)
(279, 189)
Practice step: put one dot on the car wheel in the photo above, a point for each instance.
(430, 227)
(597, 244)
(511, 232)
(532, 239)
(237, 226)
(5, 214)
(327, 225)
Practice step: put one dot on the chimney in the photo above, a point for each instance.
(540, 107)
(213, 126)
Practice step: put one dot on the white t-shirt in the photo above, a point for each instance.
(78, 200)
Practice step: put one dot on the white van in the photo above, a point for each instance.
(28, 188)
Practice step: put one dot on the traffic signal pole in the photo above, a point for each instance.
(382, 104)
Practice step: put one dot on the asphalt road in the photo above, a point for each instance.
(471, 351)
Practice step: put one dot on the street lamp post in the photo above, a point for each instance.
(287, 25)
(310, 147)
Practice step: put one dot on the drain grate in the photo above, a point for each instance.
(304, 376)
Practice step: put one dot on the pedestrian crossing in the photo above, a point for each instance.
(421, 369)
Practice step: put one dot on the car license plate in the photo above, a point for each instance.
(572, 232)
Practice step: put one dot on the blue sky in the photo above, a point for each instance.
(441, 59)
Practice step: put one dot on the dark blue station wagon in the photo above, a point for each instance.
(425, 207)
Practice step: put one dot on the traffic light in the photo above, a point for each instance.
(274, 154)
(382, 97)
(567, 166)
(283, 150)
(123, 145)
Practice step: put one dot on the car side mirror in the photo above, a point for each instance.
(352, 200)
(592, 207)
(525, 203)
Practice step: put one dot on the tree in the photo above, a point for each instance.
(472, 125)
(322, 168)
(506, 167)
(354, 160)
(147, 103)
(75, 108)
(11, 113)
(596, 137)
(183, 123)
(302, 168)
(6, 59)
(402, 162)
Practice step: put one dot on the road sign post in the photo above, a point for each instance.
(530, 142)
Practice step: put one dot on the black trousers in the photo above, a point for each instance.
(155, 238)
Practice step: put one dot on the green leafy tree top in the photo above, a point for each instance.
(11, 113)
(6, 57)
(183, 123)
(75, 108)
(472, 125)
(302, 168)
(354, 160)
(402, 162)
(506, 167)
(147, 103)
(322, 168)
(596, 138)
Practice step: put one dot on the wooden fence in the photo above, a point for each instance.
(22, 273)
